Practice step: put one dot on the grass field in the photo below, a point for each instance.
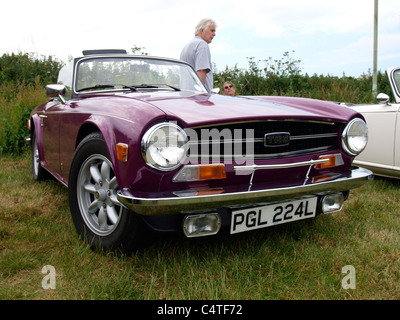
(303, 260)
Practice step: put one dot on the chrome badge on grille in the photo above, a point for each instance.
(277, 139)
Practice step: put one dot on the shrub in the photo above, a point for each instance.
(16, 103)
(283, 77)
(22, 80)
(27, 68)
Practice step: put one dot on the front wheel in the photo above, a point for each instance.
(97, 214)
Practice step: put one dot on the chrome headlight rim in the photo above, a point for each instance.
(349, 146)
(147, 142)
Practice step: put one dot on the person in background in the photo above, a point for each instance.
(197, 52)
(228, 89)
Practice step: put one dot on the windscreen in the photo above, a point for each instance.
(138, 74)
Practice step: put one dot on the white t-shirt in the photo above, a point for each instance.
(197, 54)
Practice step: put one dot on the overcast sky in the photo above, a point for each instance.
(328, 36)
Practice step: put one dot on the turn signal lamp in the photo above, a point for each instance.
(333, 160)
(200, 172)
(329, 164)
(122, 152)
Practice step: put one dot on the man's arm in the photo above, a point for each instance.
(202, 74)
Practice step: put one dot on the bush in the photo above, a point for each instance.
(27, 68)
(22, 81)
(283, 77)
(16, 103)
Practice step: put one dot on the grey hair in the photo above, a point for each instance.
(204, 25)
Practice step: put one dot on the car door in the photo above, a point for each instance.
(394, 79)
(382, 132)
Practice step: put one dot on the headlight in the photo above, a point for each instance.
(355, 137)
(164, 146)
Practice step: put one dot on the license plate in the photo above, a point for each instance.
(273, 214)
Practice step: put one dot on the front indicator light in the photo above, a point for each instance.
(122, 152)
(333, 160)
(200, 172)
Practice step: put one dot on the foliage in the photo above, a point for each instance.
(16, 103)
(283, 77)
(22, 80)
(139, 50)
(27, 68)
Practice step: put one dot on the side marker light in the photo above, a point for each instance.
(122, 152)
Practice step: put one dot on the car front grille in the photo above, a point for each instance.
(262, 139)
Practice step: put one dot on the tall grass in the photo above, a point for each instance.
(22, 79)
(16, 103)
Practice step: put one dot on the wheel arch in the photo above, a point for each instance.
(85, 130)
(116, 130)
(35, 131)
(109, 137)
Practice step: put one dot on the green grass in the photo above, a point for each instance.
(302, 260)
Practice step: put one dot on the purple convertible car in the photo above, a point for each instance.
(142, 146)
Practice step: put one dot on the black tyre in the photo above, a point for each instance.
(97, 214)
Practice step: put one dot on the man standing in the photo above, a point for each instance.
(197, 53)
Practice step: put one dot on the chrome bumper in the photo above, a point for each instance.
(203, 203)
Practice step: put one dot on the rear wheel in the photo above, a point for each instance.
(97, 214)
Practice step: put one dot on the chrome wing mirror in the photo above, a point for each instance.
(56, 90)
(382, 98)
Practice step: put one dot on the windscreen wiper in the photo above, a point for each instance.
(157, 85)
(167, 85)
(133, 88)
(146, 86)
(97, 86)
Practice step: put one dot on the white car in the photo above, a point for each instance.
(382, 154)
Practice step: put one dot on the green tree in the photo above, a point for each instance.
(24, 67)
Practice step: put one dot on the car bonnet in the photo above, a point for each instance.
(201, 109)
